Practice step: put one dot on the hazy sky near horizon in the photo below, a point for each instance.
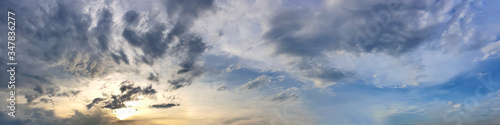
(254, 62)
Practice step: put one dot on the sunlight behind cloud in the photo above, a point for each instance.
(123, 113)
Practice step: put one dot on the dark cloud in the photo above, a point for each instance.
(116, 58)
(159, 40)
(186, 79)
(124, 57)
(57, 32)
(48, 117)
(38, 78)
(7, 120)
(39, 89)
(103, 28)
(121, 56)
(153, 77)
(194, 46)
(94, 118)
(152, 43)
(155, 42)
(131, 16)
(75, 42)
(382, 31)
(46, 100)
(222, 88)
(131, 37)
(149, 90)
(164, 105)
(94, 102)
(374, 27)
(256, 83)
(31, 98)
(129, 92)
(187, 12)
(60, 33)
(103, 42)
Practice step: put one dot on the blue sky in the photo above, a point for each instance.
(291, 62)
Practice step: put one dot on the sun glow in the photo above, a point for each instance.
(129, 110)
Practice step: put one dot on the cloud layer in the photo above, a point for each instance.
(255, 62)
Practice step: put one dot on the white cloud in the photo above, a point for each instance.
(492, 50)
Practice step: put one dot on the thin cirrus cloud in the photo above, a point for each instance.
(255, 62)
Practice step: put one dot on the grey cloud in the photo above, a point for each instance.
(164, 105)
(38, 89)
(289, 94)
(124, 57)
(392, 35)
(37, 78)
(153, 77)
(185, 80)
(94, 102)
(81, 118)
(129, 92)
(104, 28)
(131, 37)
(8, 120)
(179, 41)
(53, 33)
(222, 88)
(374, 27)
(149, 90)
(49, 91)
(154, 43)
(178, 83)
(188, 11)
(131, 16)
(88, 65)
(312, 68)
(31, 98)
(61, 33)
(116, 58)
(256, 83)
(48, 117)
(46, 100)
(119, 58)
(151, 43)
(328, 74)
(66, 24)
(69, 93)
(103, 42)
(194, 46)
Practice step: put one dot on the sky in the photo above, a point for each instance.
(253, 62)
